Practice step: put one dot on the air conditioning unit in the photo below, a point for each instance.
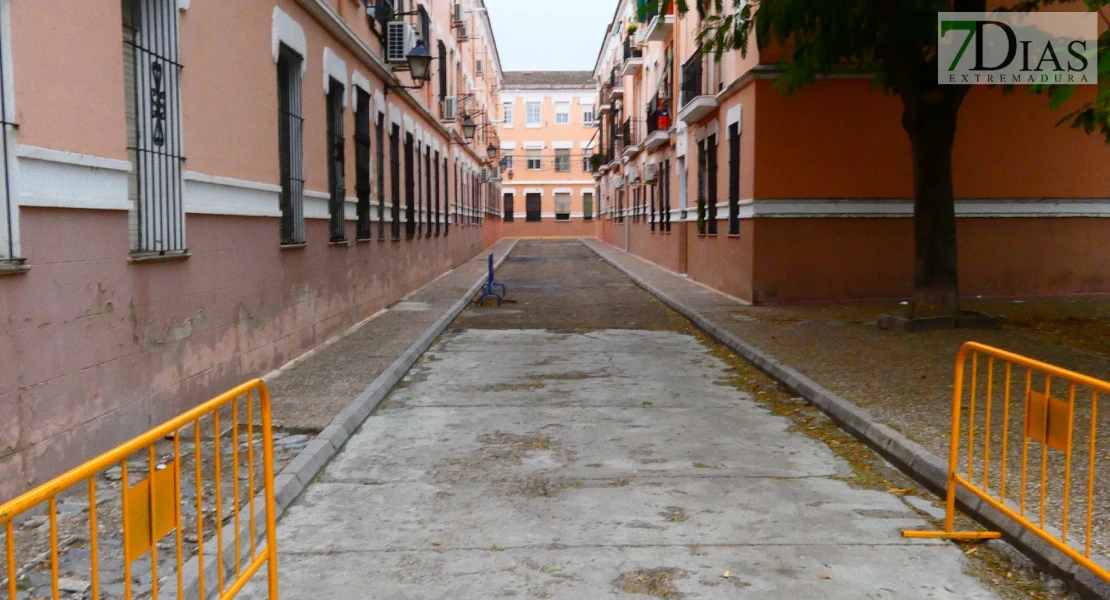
(457, 13)
(400, 39)
(495, 173)
(483, 175)
(450, 108)
(651, 173)
(463, 35)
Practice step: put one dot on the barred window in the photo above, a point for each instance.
(562, 161)
(362, 163)
(9, 207)
(152, 74)
(562, 207)
(290, 131)
(336, 148)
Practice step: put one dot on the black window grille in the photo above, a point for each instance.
(428, 191)
(442, 70)
(734, 179)
(532, 206)
(379, 143)
(651, 217)
(9, 242)
(691, 85)
(425, 27)
(418, 191)
(446, 199)
(711, 181)
(410, 186)
(438, 213)
(588, 206)
(395, 182)
(701, 189)
(507, 208)
(290, 142)
(152, 76)
(665, 184)
(362, 164)
(336, 149)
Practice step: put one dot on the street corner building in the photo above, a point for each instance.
(706, 170)
(195, 193)
(548, 133)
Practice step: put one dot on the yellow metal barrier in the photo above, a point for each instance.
(1051, 402)
(139, 517)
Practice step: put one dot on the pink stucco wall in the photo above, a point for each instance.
(97, 349)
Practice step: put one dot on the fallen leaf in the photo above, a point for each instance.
(726, 574)
(972, 550)
(550, 570)
(823, 576)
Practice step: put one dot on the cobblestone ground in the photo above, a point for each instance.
(582, 441)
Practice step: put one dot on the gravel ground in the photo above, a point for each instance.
(906, 382)
(32, 529)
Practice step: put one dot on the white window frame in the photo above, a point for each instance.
(558, 155)
(507, 114)
(535, 157)
(538, 106)
(562, 113)
(588, 116)
(566, 196)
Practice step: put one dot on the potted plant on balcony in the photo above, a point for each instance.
(632, 28)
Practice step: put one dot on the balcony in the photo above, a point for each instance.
(658, 122)
(696, 104)
(616, 85)
(633, 58)
(630, 136)
(659, 26)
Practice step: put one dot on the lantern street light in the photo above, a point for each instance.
(420, 63)
(491, 151)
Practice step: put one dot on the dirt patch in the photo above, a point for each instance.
(651, 582)
(674, 514)
(512, 439)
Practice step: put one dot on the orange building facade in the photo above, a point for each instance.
(708, 171)
(548, 131)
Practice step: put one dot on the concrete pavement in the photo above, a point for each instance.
(593, 463)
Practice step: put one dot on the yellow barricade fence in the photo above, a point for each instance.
(90, 529)
(1026, 432)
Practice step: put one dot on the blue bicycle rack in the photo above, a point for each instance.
(487, 288)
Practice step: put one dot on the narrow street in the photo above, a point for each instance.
(582, 442)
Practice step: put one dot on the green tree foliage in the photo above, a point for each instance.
(895, 42)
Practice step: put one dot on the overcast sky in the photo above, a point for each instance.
(533, 36)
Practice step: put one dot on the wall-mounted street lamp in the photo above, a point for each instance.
(468, 128)
(420, 63)
(491, 151)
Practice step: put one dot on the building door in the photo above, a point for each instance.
(532, 205)
(508, 208)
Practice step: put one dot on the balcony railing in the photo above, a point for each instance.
(659, 113)
(631, 51)
(628, 133)
(692, 84)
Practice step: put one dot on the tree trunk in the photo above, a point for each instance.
(931, 125)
